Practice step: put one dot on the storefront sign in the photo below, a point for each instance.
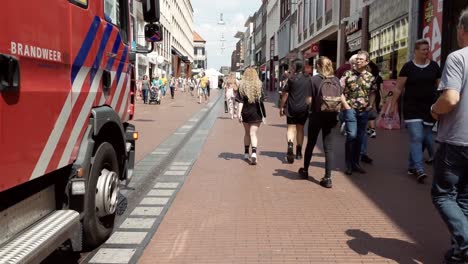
(353, 25)
(314, 49)
(432, 22)
(354, 41)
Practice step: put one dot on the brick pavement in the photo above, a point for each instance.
(231, 212)
(159, 121)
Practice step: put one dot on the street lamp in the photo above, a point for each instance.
(221, 21)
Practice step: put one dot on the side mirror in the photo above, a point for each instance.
(153, 33)
(151, 10)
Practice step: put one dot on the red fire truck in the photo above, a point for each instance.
(67, 92)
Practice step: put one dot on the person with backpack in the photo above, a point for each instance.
(325, 98)
(359, 92)
(294, 106)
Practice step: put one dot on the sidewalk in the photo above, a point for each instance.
(156, 122)
(231, 212)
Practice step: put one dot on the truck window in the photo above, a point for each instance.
(116, 12)
(80, 3)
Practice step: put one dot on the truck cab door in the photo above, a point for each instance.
(36, 35)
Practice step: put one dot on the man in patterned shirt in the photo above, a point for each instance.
(358, 99)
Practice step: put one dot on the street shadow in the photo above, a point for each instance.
(402, 252)
(405, 202)
(232, 156)
(292, 175)
(224, 118)
(281, 156)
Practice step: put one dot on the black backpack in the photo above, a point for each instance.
(330, 96)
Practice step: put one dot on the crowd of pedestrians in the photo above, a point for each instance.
(352, 95)
(155, 90)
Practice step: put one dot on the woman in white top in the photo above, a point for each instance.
(230, 93)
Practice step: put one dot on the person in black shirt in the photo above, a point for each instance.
(418, 79)
(294, 106)
(320, 121)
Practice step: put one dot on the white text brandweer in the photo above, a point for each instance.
(35, 52)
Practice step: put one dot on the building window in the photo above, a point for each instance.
(319, 9)
(116, 12)
(328, 11)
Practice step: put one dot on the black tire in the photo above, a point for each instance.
(97, 230)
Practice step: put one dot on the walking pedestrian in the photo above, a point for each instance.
(229, 93)
(282, 84)
(145, 86)
(418, 80)
(294, 106)
(320, 118)
(191, 84)
(450, 186)
(359, 91)
(172, 86)
(251, 111)
(352, 66)
(203, 83)
(373, 114)
(164, 85)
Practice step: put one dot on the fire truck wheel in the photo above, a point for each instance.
(101, 199)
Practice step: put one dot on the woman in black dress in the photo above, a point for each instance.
(251, 110)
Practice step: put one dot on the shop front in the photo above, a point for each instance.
(142, 66)
(388, 43)
(438, 23)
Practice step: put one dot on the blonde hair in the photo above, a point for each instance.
(251, 86)
(231, 79)
(326, 66)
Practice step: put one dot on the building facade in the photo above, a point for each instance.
(200, 61)
(249, 43)
(174, 54)
(272, 25)
(182, 37)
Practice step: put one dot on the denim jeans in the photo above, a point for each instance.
(365, 138)
(356, 124)
(145, 95)
(419, 134)
(450, 191)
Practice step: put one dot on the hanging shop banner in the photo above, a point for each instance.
(432, 23)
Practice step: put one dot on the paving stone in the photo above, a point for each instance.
(113, 256)
(182, 163)
(161, 193)
(166, 185)
(126, 238)
(179, 168)
(137, 223)
(154, 201)
(147, 211)
(174, 173)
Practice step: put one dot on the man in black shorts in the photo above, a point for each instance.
(294, 106)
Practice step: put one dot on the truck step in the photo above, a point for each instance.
(42, 238)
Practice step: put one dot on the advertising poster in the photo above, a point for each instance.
(432, 23)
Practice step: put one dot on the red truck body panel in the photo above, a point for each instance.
(63, 51)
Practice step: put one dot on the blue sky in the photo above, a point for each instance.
(206, 16)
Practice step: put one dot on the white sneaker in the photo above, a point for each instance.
(247, 156)
(253, 158)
